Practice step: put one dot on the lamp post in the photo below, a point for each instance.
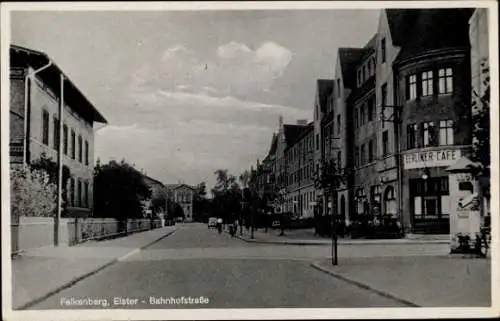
(395, 118)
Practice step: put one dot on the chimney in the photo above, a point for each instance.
(302, 122)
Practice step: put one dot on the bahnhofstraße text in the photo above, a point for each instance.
(132, 301)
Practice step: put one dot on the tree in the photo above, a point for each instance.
(481, 119)
(227, 195)
(119, 190)
(200, 203)
(52, 169)
(32, 193)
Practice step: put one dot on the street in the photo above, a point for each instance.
(202, 269)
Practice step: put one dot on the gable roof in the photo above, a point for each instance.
(292, 133)
(274, 145)
(418, 31)
(324, 89)
(177, 186)
(349, 57)
(152, 180)
(24, 57)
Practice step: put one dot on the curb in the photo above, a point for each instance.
(88, 274)
(363, 286)
(340, 243)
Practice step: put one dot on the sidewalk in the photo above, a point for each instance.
(307, 237)
(425, 281)
(42, 272)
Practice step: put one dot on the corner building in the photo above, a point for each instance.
(433, 90)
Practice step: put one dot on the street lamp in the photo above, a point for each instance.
(395, 118)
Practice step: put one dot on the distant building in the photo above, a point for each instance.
(158, 192)
(183, 195)
(35, 122)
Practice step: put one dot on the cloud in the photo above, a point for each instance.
(189, 114)
(184, 135)
(235, 69)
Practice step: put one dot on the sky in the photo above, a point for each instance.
(189, 92)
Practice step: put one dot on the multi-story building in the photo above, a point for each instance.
(36, 87)
(158, 192)
(380, 93)
(432, 89)
(183, 195)
(323, 99)
(395, 115)
(300, 160)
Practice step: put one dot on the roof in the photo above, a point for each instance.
(419, 31)
(274, 144)
(349, 58)
(293, 133)
(152, 180)
(23, 57)
(177, 186)
(324, 89)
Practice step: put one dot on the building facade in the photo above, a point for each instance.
(396, 113)
(183, 195)
(36, 87)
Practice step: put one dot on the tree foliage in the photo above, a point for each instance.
(227, 195)
(481, 119)
(201, 206)
(52, 169)
(119, 190)
(32, 193)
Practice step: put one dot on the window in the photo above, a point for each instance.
(73, 142)
(65, 139)
(445, 80)
(370, 109)
(411, 136)
(363, 160)
(370, 151)
(411, 87)
(362, 114)
(80, 193)
(383, 95)
(356, 157)
(86, 152)
(429, 135)
(385, 143)
(55, 136)
(365, 72)
(72, 192)
(86, 194)
(45, 127)
(80, 148)
(339, 159)
(390, 201)
(317, 141)
(338, 124)
(446, 132)
(382, 50)
(427, 83)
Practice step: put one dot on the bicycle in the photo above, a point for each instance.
(482, 242)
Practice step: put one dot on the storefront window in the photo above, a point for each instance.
(430, 197)
(390, 201)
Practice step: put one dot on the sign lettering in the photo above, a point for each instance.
(434, 158)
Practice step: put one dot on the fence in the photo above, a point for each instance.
(34, 232)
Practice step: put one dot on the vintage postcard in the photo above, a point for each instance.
(249, 160)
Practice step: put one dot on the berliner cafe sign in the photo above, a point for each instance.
(431, 158)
